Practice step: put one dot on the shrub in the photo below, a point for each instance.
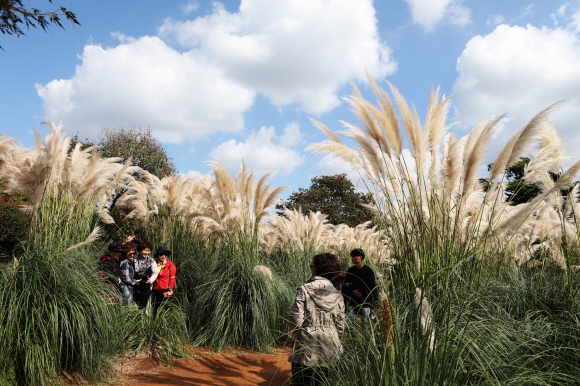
(14, 225)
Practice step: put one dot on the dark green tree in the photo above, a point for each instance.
(14, 224)
(138, 144)
(144, 149)
(14, 15)
(334, 196)
(86, 143)
(517, 191)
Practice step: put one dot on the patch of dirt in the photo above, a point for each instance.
(231, 367)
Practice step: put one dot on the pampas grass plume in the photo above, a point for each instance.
(424, 309)
(263, 270)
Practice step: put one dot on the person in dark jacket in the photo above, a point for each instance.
(109, 264)
(360, 288)
(164, 285)
(127, 273)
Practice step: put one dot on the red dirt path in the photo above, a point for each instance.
(233, 367)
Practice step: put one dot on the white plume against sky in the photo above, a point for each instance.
(239, 80)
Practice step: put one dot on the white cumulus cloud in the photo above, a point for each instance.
(291, 51)
(495, 20)
(330, 165)
(195, 174)
(262, 151)
(292, 135)
(190, 6)
(576, 21)
(519, 71)
(429, 13)
(146, 83)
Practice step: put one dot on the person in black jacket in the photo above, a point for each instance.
(109, 264)
(360, 288)
(109, 268)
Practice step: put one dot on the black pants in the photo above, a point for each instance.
(308, 376)
(158, 298)
(141, 296)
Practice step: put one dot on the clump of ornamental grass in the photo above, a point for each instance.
(56, 313)
(401, 356)
(292, 265)
(522, 329)
(479, 332)
(163, 334)
(449, 237)
(55, 316)
(214, 241)
(232, 304)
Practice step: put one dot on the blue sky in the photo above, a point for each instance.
(230, 80)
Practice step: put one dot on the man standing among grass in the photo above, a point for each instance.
(360, 288)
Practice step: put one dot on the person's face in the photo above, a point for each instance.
(163, 256)
(356, 259)
(145, 253)
(131, 254)
(116, 255)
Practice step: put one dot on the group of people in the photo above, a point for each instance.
(318, 314)
(138, 276)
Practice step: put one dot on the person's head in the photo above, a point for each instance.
(325, 265)
(129, 251)
(115, 250)
(357, 255)
(144, 249)
(162, 253)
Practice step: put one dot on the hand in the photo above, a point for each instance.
(357, 293)
(347, 284)
(129, 238)
(147, 282)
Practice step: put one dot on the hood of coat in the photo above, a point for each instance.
(323, 293)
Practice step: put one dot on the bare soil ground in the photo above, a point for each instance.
(231, 367)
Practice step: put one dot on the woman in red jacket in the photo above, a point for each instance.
(165, 282)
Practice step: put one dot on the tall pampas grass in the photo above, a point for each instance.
(410, 197)
(446, 236)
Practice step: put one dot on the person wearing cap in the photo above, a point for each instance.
(317, 320)
(109, 264)
(163, 287)
(360, 288)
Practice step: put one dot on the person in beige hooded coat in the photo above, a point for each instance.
(317, 320)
